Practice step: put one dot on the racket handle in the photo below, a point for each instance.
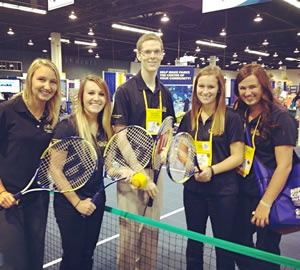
(17, 196)
(156, 173)
(95, 199)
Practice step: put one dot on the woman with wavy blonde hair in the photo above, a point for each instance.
(90, 120)
(26, 124)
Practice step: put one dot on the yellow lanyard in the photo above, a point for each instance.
(249, 151)
(153, 116)
(204, 148)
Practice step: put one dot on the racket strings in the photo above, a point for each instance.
(161, 147)
(129, 149)
(67, 165)
(181, 156)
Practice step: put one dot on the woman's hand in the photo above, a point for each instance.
(204, 176)
(7, 199)
(261, 214)
(85, 207)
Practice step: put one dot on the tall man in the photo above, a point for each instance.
(144, 101)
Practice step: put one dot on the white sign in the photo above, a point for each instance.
(9, 86)
(213, 5)
(54, 4)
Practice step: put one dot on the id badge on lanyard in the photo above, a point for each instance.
(153, 116)
(249, 151)
(204, 148)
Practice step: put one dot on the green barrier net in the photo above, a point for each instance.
(163, 246)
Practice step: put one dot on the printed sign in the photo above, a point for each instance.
(214, 5)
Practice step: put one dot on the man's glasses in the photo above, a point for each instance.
(148, 53)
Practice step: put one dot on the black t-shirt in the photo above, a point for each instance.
(284, 133)
(225, 183)
(23, 139)
(67, 128)
(129, 104)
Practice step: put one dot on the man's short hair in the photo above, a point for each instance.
(147, 37)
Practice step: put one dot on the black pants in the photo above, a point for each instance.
(22, 233)
(222, 211)
(79, 235)
(267, 239)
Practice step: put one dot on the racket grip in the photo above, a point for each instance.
(17, 196)
(155, 178)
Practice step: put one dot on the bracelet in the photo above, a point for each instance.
(212, 171)
(77, 203)
(265, 204)
(2, 191)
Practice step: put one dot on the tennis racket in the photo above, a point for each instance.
(127, 152)
(66, 165)
(160, 149)
(182, 158)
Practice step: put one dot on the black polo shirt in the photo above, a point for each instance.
(129, 104)
(22, 141)
(225, 183)
(283, 133)
(67, 128)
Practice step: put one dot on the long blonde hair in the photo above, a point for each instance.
(219, 116)
(53, 105)
(80, 114)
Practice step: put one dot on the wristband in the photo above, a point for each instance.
(212, 171)
(77, 203)
(265, 204)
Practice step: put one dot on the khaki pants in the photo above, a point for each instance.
(138, 242)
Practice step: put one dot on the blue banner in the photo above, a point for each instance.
(176, 75)
(214, 5)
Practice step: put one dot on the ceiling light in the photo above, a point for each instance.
(234, 62)
(292, 59)
(217, 59)
(256, 52)
(275, 54)
(135, 50)
(86, 43)
(164, 18)
(203, 63)
(90, 50)
(298, 65)
(63, 40)
(30, 43)
(262, 65)
(169, 63)
(23, 8)
(280, 67)
(298, 34)
(10, 31)
(91, 32)
(197, 49)
(258, 18)
(223, 32)
(296, 50)
(72, 16)
(244, 63)
(235, 55)
(211, 44)
(227, 65)
(265, 43)
(294, 3)
(135, 29)
(44, 51)
(280, 62)
(97, 55)
(259, 59)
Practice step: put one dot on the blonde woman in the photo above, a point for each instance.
(26, 124)
(90, 120)
(218, 133)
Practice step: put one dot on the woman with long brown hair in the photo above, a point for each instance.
(273, 131)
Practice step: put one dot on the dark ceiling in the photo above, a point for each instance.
(280, 25)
